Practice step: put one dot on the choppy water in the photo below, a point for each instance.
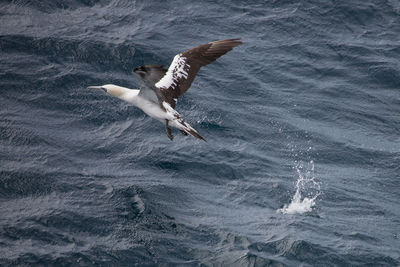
(302, 161)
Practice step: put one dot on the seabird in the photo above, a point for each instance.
(162, 86)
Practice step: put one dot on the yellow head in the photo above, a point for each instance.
(111, 89)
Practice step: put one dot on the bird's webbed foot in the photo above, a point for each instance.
(183, 132)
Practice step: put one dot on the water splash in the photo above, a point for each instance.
(307, 190)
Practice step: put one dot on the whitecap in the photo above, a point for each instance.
(307, 191)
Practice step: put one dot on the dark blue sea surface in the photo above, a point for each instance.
(302, 161)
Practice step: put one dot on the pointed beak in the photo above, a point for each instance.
(94, 87)
(98, 88)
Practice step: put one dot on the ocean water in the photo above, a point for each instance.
(302, 161)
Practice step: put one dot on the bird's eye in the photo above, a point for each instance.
(104, 89)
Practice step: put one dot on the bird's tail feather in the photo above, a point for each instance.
(196, 134)
(179, 123)
(190, 130)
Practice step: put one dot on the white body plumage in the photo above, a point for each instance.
(149, 107)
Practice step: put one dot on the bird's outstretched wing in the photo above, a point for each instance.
(185, 66)
(151, 74)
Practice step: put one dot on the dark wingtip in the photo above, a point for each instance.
(138, 69)
(232, 42)
(238, 40)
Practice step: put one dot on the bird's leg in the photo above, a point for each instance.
(169, 132)
(183, 132)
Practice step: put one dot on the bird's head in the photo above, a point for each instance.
(111, 89)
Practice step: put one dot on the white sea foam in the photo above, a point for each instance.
(140, 204)
(307, 190)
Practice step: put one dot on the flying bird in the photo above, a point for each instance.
(162, 86)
